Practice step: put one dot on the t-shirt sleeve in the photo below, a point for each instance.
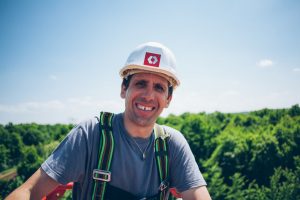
(68, 160)
(184, 171)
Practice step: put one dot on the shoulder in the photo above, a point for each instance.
(88, 124)
(86, 129)
(178, 144)
(176, 137)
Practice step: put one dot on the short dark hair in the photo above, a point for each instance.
(127, 79)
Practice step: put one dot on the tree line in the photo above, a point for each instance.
(244, 156)
(23, 147)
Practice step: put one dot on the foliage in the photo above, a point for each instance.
(25, 146)
(247, 156)
(8, 186)
(30, 163)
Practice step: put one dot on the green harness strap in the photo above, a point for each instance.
(102, 174)
(161, 154)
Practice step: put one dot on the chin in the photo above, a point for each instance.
(144, 122)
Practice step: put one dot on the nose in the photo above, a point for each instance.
(148, 94)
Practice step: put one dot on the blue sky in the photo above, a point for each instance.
(59, 60)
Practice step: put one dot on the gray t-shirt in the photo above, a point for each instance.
(77, 155)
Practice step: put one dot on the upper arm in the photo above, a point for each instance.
(37, 186)
(198, 193)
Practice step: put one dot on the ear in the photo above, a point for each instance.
(123, 91)
(168, 101)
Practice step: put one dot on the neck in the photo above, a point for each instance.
(137, 130)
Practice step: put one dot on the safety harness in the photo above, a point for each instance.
(102, 174)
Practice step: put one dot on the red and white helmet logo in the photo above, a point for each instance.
(152, 59)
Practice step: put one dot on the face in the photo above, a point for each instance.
(145, 98)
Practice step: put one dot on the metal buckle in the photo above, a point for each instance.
(104, 175)
(163, 185)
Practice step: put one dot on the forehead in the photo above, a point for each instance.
(150, 77)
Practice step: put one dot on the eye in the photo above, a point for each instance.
(140, 84)
(159, 88)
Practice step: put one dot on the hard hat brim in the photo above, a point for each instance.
(133, 69)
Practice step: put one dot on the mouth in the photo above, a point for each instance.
(144, 108)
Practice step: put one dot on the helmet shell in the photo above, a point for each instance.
(152, 57)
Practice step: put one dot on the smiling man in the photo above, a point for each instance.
(126, 155)
(145, 98)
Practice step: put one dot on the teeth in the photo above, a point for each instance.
(144, 108)
(148, 108)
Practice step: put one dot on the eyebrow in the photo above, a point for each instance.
(146, 81)
(141, 80)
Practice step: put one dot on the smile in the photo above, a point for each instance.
(145, 108)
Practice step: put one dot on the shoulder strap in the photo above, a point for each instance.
(102, 174)
(161, 154)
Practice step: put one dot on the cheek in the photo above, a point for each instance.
(164, 100)
(128, 96)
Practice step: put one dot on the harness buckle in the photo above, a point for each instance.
(101, 175)
(163, 185)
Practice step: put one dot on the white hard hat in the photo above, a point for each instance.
(152, 57)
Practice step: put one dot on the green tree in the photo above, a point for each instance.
(284, 185)
(33, 137)
(236, 189)
(196, 131)
(4, 152)
(7, 186)
(30, 164)
(254, 192)
(294, 111)
(15, 147)
(216, 185)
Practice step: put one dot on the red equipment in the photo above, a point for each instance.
(58, 192)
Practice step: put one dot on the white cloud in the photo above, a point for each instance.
(265, 63)
(31, 107)
(57, 111)
(82, 101)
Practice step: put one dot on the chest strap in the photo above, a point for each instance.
(102, 174)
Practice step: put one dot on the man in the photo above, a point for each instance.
(149, 78)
